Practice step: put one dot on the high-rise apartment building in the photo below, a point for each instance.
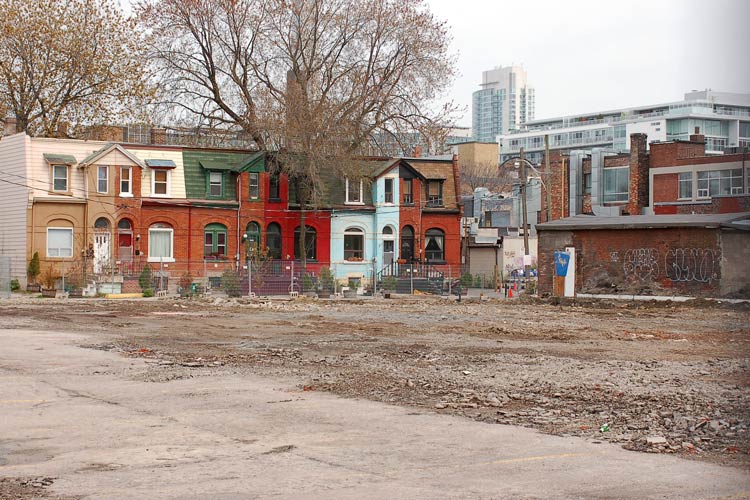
(722, 117)
(505, 102)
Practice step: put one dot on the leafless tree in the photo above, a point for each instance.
(72, 62)
(476, 174)
(313, 79)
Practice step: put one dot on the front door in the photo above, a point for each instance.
(388, 246)
(101, 252)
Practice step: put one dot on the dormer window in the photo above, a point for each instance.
(102, 179)
(215, 184)
(435, 193)
(407, 194)
(353, 192)
(59, 177)
(160, 183)
(388, 191)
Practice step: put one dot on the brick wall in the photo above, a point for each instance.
(557, 185)
(639, 166)
(673, 261)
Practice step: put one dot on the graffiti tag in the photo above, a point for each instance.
(641, 263)
(691, 264)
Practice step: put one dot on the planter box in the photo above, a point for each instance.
(49, 293)
(33, 287)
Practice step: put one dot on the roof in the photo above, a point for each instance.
(159, 163)
(254, 162)
(592, 222)
(107, 149)
(60, 159)
(209, 164)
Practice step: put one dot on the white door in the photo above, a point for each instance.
(101, 252)
(387, 253)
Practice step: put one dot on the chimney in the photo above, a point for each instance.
(697, 136)
(158, 135)
(417, 151)
(457, 182)
(10, 126)
(638, 174)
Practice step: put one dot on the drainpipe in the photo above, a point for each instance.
(239, 209)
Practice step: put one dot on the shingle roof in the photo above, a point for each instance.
(104, 151)
(60, 159)
(643, 221)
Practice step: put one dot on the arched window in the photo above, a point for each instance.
(310, 243)
(252, 236)
(160, 238)
(101, 224)
(273, 240)
(387, 231)
(434, 248)
(407, 243)
(215, 241)
(354, 244)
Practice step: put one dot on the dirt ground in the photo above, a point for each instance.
(653, 377)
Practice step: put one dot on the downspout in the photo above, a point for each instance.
(239, 209)
(86, 208)
(189, 231)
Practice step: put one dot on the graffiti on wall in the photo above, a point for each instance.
(641, 263)
(691, 264)
(681, 265)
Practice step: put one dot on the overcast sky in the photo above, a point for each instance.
(593, 55)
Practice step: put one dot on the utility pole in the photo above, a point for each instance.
(547, 173)
(525, 219)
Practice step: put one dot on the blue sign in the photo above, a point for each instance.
(561, 263)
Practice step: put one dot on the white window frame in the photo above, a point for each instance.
(171, 244)
(253, 181)
(359, 232)
(99, 179)
(681, 181)
(126, 193)
(354, 202)
(153, 183)
(67, 178)
(705, 192)
(211, 183)
(393, 190)
(67, 229)
(614, 194)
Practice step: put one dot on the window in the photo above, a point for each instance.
(388, 190)
(717, 182)
(59, 177)
(254, 185)
(102, 179)
(434, 249)
(586, 183)
(685, 182)
(215, 241)
(353, 191)
(125, 180)
(125, 241)
(273, 187)
(616, 184)
(435, 193)
(160, 246)
(59, 242)
(407, 243)
(408, 196)
(310, 243)
(160, 183)
(215, 184)
(273, 240)
(252, 235)
(354, 244)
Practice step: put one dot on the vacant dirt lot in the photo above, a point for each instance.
(667, 378)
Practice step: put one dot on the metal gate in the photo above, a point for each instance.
(5, 276)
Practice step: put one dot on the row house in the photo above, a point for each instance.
(117, 207)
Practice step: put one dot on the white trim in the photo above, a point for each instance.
(346, 192)
(106, 179)
(72, 243)
(154, 194)
(129, 192)
(171, 244)
(67, 178)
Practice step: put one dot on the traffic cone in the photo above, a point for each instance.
(510, 293)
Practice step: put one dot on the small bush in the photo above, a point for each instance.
(148, 292)
(14, 285)
(466, 280)
(144, 279)
(389, 283)
(230, 283)
(33, 269)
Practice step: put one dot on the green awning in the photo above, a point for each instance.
(159, 163)
(60, 159)
(219, 165)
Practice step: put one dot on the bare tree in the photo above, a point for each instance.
(69, 62)
(476, 174)
(314, 79)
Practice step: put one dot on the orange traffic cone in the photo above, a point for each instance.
(510, 293)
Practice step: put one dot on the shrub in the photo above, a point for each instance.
(33, 269)
(466, 280)
(144, 279)
(307, 283)
(49, 277)
(185, 281)
(230, 283)
(148, 292)
(14, 285)
(389, 283)
(326, 280)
